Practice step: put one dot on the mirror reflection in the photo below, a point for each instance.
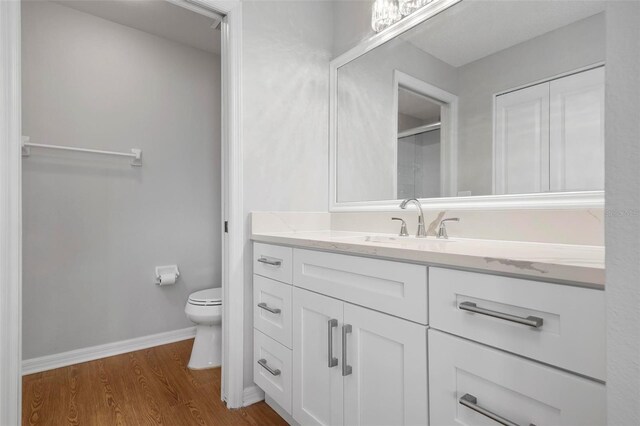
(418, 145)
(485, 98)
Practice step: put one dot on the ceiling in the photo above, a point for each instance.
(412, 104)
(474, 29)
(157, 17)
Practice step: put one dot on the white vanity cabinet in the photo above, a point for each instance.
(356, 366)
(350, 340)
(343, 363)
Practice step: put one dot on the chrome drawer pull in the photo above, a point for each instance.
(530, 321)
(263, 363)
(346, 369)
(331, 324)
(269, 261)
(471, 402)
(266, 308)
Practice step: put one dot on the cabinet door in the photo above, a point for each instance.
(387, 384)
(521, 151)
(317, 383)
(469, 382)
(577, 132)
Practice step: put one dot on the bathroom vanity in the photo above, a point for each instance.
(464, 106)
(374, 329)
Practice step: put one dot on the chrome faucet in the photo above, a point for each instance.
(442, 229)
(422, 232)
(403, 227)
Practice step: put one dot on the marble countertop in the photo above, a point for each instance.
(581, 265)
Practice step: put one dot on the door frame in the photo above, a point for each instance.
(232, 383)
(11, 205)
(10, 215)
(448, 129)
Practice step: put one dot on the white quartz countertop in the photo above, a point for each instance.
(581, 265)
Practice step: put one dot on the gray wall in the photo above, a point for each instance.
(563, 50)
(622, 215)
(94, 227)
(285, 85)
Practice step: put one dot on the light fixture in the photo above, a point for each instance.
(384, 13)
(407, 7)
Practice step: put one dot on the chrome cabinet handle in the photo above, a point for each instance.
(346, 369)
(331, 324)
(263, 259)
(267, 308)
(263, 363)
(530, 321)
(471, 402)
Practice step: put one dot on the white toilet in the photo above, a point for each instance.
(204, 308)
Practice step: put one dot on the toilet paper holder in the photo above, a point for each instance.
(166, 275)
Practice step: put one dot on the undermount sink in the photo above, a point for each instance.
(398, 241)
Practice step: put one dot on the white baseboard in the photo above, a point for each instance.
(251, 395)
(49, 362)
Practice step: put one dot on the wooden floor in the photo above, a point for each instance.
(147, 387)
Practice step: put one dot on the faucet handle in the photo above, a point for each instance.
(403, 227)
(442, 229)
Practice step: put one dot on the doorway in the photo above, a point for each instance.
(426, 139)
(10, 309)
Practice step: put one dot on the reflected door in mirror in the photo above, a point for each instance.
(550, 136)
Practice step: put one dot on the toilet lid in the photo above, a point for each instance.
(208, 297)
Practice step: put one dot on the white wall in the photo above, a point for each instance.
(285, 85)
(622, 219)
(563, 50)
(94, 227)
(351, 24)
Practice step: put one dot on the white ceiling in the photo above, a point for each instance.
(157, 17)
(474, 29)
(417, 106)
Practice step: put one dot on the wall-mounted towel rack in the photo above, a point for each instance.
(135, 153)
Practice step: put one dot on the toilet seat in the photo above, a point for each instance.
(208, 297)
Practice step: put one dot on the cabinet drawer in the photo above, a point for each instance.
(571, 334)
(522, 391)
(272, 261)
(272, 309)
(272, 369)
(399, 289)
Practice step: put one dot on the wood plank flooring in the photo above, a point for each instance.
(148, 387)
